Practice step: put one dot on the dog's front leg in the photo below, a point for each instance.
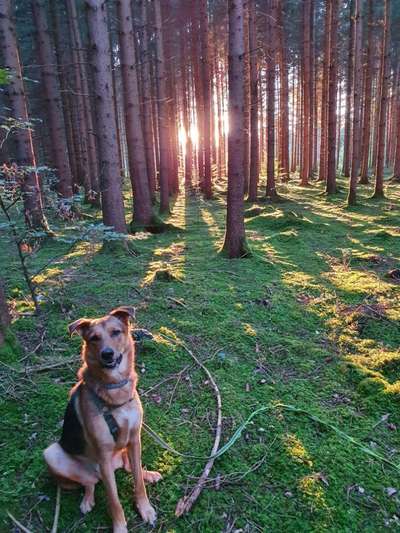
(145, 509)
(115, 507)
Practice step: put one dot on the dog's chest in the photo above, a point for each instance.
(128, 419)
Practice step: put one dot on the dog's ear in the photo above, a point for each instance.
(124, 313)
(78, 326)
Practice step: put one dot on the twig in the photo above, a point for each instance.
(168, 378)
(235, 477)
(57, 511)
(42, 368)
(29, 280)
(186, 502)
(18, 524)
(177, 302)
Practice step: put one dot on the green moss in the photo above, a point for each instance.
(273, 328)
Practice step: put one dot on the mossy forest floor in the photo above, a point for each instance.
(311, 319)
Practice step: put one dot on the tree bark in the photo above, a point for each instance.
(305, 167)
(357, 89)
(235, 239)
(52, 98)
(323, 169)
(271, 66)
(24, 154)
(332, 99)
(188, 147)
(110, 171)
(349, 88)
(396, 169)
(254, 138)
(284, 96)
(163, 122)
(382, 104)
(146, 98)
(142, 205)
(84, 106)
(206, 82)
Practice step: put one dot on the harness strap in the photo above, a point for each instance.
(106, 410)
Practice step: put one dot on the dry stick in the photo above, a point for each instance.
(28, 279)
(18, 524)
(57, 511)
(51, 366)
(186, 502)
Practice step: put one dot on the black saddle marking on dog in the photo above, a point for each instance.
(72, 438)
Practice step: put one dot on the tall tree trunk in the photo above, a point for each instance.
(53, 101)
(271, 71)
(357, 89)
(206, 81)
(167, 26)
(142, 205)
(25, 157)
(284, 96)
(163, 122)
(349, 88)
(110, 171)
(235, 238)
(382, 103)
(254, 139)
(332, 99)
(323, 155)
(84, 106)
(188, 148)
(247, 99)
(396, 170)
(63, 57)
(148, 118)
(305, 167)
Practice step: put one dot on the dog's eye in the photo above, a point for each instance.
(115, 333)
(94, 338)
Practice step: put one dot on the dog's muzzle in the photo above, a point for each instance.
(108, 361)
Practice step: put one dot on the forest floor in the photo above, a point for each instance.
(311, 319)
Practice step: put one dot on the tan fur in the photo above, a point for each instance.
(103, 455)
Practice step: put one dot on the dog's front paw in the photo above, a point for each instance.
(120, 528)
(151, 477)
(147, 512)
(87, 504)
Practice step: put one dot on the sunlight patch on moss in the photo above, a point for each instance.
(295, 449)
(249, 330)
(310, 487)
(299, 279)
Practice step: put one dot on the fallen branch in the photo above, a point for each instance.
(18, 524)
(57, 511)
(186, 502)
(51, 366)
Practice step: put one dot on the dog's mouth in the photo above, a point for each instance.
(112, 364)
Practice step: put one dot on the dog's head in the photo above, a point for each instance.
(107, 339)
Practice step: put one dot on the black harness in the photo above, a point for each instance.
(72, 438)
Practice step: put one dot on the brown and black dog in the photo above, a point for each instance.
(102, 423)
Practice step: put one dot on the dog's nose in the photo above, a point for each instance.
(107, 355)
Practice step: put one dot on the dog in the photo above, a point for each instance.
(102, 424)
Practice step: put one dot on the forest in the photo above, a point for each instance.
(231, 170)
